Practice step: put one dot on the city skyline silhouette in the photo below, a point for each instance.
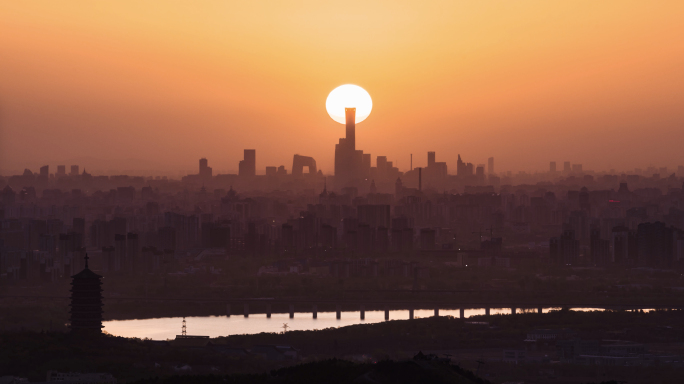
(526, 83)
(300, 191)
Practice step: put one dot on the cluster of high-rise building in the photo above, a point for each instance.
(138, 225)
(624, 233)
(130, 231)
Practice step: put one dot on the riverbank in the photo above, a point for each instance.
(482, 338)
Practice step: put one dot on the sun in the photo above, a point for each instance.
(348, 96)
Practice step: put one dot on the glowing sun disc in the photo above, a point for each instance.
(348, 96)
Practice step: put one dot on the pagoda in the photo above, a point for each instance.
(86, 301)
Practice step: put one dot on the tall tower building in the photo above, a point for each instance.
(350, 120)
(349, 162)
(247, 167)
(490, 166)
(381, 165)
(120, 259)
(480, 172)
(133, 254)
(205, 170)
(431, 158)
(552, 167)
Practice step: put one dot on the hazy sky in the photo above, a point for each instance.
(117, 85)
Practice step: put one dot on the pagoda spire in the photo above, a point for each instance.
(86, 301)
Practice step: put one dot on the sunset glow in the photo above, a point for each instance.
(483, 79)
(349, 96)
(176, 205)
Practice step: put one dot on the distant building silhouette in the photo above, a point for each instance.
(480, 172)
(460, 167)
(398, 188)
(655, 244)
(205, 170)
(624, 245)
(247, 167)
(599, 249)
(299, 162)
(349, 162)
(565, 250)
(435, 173)
(282, 171)
(552, 167)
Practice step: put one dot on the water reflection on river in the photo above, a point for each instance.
(214, 326)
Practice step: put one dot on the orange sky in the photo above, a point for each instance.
(121, 85)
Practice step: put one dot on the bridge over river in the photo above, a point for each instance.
(247, 306)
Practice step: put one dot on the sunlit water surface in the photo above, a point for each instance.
(214, 326)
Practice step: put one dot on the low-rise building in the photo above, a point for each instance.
(275, 352)
(548, 334)
(80, 378)
(516, 356)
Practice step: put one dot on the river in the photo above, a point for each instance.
(214, 326)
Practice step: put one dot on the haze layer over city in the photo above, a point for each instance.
(387, 192)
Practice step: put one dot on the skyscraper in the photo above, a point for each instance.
(552, 166)
(566, 167)
(42, 179)
(436, 172)
(133, 254)
(480, 172)
(348, 161)
(564, 250)
(74, 170)
(469, 169)
(490, 166)
(381, 165)
(205, 170)
(350, 125)
(247, 167)
(460, 167)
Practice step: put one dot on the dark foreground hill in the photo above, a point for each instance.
(336, 371)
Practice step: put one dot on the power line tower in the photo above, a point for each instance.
(184, 329)
(284, 327)
(479, 364)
